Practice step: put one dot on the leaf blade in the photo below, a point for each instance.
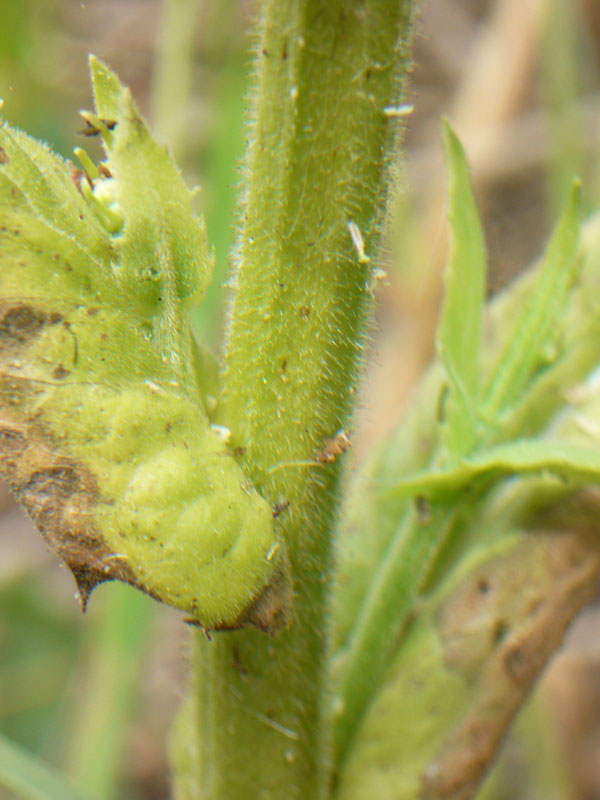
(532, 330)
(573, 462)
(459, 330)
(104, 434)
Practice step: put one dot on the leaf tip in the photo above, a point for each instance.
(107, 88)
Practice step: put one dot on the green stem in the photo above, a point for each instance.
(326, 72)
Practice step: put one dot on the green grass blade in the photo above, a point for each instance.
(533, 329)
(114, 647)
(568, 461)
(459, 331)
(29, 778)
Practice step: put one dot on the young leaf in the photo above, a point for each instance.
(155, 204)
(459, 331)
(104, 437)
(576, 463)
(533, 329)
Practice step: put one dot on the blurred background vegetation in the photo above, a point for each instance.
(520, 80)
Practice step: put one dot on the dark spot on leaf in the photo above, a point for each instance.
(20, 323)
(517, 663)
(78, 177)
(58, 493)
(501, 628)
(60, 482)
(12, 441)
(60, 372)
(92, 311)
(423, 507)
(304, 311)
(236, 661)
(4, 159)
(95, 130)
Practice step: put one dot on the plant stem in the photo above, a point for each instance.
(325, 74)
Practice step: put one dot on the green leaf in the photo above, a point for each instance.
(384, 616)
(154, 201)
(29, 778)
(531, 341)
(569, 462)
(459, 331)
(104, 434)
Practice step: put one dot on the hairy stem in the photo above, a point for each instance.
(327, 74)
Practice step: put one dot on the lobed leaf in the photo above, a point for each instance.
(104, 434)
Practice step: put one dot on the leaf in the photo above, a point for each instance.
(459, 330)
(29, 778)
(155, 203)
(466, 664)
(571, 462)
(532, 334)
(104, 437)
